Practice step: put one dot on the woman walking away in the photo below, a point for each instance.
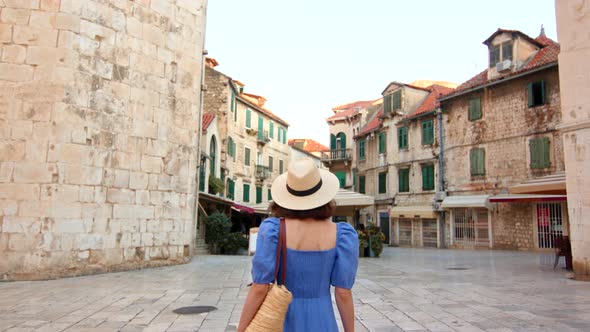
(320, 253)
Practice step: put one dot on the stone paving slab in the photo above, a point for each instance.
(404, 290)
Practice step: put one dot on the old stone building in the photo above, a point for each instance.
(573, 27)
(503, 151)
(252, 140)
(99, 115)
(307, 148)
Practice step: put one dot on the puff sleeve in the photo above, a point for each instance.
(347, 257)
(263, 263)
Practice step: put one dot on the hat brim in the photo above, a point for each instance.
(326, 193)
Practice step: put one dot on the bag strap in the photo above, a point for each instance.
(281, 253)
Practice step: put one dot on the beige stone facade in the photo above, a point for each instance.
(253, 140)
(500, 132)
(573, 27)
(99, 104)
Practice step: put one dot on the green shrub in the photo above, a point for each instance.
(377, 238)
(217, 228)
(215, 185)
(233, 243)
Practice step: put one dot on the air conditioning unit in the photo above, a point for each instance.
(440, 196)
(503, 65)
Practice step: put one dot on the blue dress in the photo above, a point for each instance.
(309, 275)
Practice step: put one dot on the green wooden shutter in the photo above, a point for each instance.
(232, 102)
(534, 153)
(382, 142)
(284, 136)
(258, 195)
(260, 128)
(542, 83)
(232, 189)
(397, 100)
(281, 166)
(474, 109)
(540, 153)
(546, 152)
(387, 104)
(362, 184)
(362, 149)
(477, 161)
(269, 195)
(428, 177)
(530, 94)
(270, 163)
(202, 178)
(332, 142)
(404, 180)
(248, 118)
(383, 182)
(247, 157)
(341, 178)
(271, 129)
(427, 132)
(342, 137)
(402, 137)
(246, 193)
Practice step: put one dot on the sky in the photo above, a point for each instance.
(308, 56)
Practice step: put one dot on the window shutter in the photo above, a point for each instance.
(342, 137)
(473, 161)
(382, 183)
(232, 101)
(362, 184)
(247, 157)
(474, 109)
(271, 129)
(427, 132)
(232, 189)
(332, 142)
(362, 149)
(387, 104)
(284, 136)
(248, 118)
(258, 195)
(424, 177)
(269, 195)
(246, 194)
(270, 163)
(404, 180)
(281, 165)
(546, 152)
(397, 100)
(381, 142)
(260, 128)
(534, 154)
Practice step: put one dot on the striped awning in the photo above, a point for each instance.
(554, 184)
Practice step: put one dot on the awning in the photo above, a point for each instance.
(420, 211)
(481, 201)
(347, 201)
(261, 208)
(550, 184)
(507, 198)
(215, 199)
(243, 209)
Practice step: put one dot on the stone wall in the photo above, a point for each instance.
(573, 27)
(98, 122)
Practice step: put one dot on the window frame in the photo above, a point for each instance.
(362, 183)
(382, 183)
(247, 156)
(396, 100)
(540, 156)
(246, 192)
(362, 149)
(475, 170)
(428, 183)
(474, 113)
(382, 142)
(401, 174)
(494, 49)
(542, 87)
(402, 138)
(429, 139)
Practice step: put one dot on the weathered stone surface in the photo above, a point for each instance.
(84, 139)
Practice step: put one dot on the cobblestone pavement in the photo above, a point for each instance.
(404, 290)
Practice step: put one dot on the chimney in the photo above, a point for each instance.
(542, 33)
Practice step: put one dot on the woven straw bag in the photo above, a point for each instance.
(270, 317)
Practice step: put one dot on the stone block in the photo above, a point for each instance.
(89, 241)
(153, 35)
(15, 72)
(70, 153)
(14, 191)
(75, 174)
(138, 180)
(6, 170)
(148, 164)
(60, 192)
(145, 129)
(8, 208)
(36, 111)
(34, 173)
(142, 197)
(15, 16)
(21, 242)
(25, 4)
(120, 196)
(123, 211)
(21, 130)
(121, 179)
(50, 5)
(97, 32)
(42, 19)
(14, 54)
(25, 35)
(38, 55)
(147, 239)
(87, 194)
(134, 27)
(93, 210)
(12, 151)
(21, 225)
(69, 226)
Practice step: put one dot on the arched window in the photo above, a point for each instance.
(212, 154)
(341, 141)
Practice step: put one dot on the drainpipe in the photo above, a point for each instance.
(199, 135)
(441, 176)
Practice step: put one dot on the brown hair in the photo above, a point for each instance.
(320, 213)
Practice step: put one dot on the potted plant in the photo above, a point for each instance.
(215, 185)
(217, 228)
(376, 238)
(363, 241)
(232, 244)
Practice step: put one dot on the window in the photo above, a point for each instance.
(387, 104)
(382, 137)
(260, 128)
(383, 182)
(475, 109)
(427, 132)
(494, 55)
(404, 180)
(270, 164)
(402, 137)
(213, 156)
(397, 100)
(246, 194)
(234, 105)
(540, 153)
(231, 188)
(258, 195)
(202, 177)
(271, 129)
(248, 118)
(269, 195)
(536, 93)
(247, 156)
(341, 178)
(477, 161)
(282, 135)
(362, 149)
(427, 177)
(231, 148)
(362, 184)
(281, 169)
(507, 51)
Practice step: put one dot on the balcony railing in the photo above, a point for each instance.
(262, 172)
(263, 137)
(337, 154)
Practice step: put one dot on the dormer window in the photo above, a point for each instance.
(392, 101)
(500, 53)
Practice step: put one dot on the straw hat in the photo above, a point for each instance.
(304, 186)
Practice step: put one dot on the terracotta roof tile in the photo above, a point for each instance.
(207, 120)
(350, 109)
(546, 55)
(308, 145)
(430, 102)
(374, 124)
